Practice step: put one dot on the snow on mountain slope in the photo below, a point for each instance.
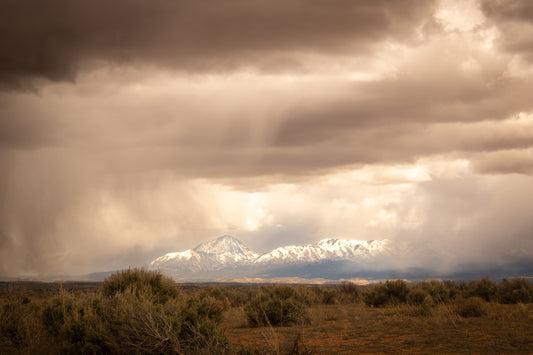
(326, 249)
(187, 261)
(212, 255)
(227, 251)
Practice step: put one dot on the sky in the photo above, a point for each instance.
(132, 128)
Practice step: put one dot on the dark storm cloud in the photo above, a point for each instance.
(508, 10)
(443, 95)
(505, 162)
(51, 39)
(396, 143)
(514, 18)
(144, 107)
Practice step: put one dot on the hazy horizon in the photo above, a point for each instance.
(130, 128)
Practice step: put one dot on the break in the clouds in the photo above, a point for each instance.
(133, 128)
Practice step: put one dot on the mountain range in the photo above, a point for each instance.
(228, 258)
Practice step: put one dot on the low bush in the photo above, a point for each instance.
(135, 311)
(440, 292)
(277, 306)
(519, 290)
(329, 296)
(471, 307)
(484, 288)
(76, 324)
(417, 296)
(179, 326)
(422, 309)
(160, 288)
(389, 292)
(427, 306)
(20, 325)
(397, 291)
(349, 292)
(151, 317)
(139, 311)
(376, 296)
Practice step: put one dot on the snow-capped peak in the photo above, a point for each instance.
(326, 249)
(211, 255)
(225, 244)
(227, 251)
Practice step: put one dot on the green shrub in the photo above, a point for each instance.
(329, 296)
(140, 326)
(138, 311)
(54, 315)
(427, 306)
(85, 336)
(149, 316)
(519, 290)
(199, 325)
(452, 289)
(417, 296)
(390, 292)
(440, 292)
(397, 291)
(276, 306)
(349, 291)
(20, 324)
(205, 308)
(306, 295)
(471, 307)
(484, 288)
(377, 296)
(134, 312)
(153, 283)
(424, 308)
(10, 324)
(239, 296)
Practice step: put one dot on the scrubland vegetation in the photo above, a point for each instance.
(139, 311)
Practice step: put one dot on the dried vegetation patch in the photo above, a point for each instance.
(139, 311)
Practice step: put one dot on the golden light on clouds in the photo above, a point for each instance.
(133, 128)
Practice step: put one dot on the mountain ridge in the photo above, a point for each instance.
(227, 252)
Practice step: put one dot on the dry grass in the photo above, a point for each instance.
(153, 315)
(356, 328)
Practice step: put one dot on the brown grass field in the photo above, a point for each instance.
(143, 312)
(358, 329)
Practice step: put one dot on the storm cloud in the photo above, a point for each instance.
(133, 128)
(515, 21)
(54, 39)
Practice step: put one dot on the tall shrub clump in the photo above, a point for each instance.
(149, 315)
(141, 282)
(471, 307)
(134, 312)
(389, 292)
(519, 290)
(277, 306)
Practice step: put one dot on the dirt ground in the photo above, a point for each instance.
(356, 328)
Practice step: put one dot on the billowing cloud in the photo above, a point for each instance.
(53, 39)
(515, 20)
(128, 129)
